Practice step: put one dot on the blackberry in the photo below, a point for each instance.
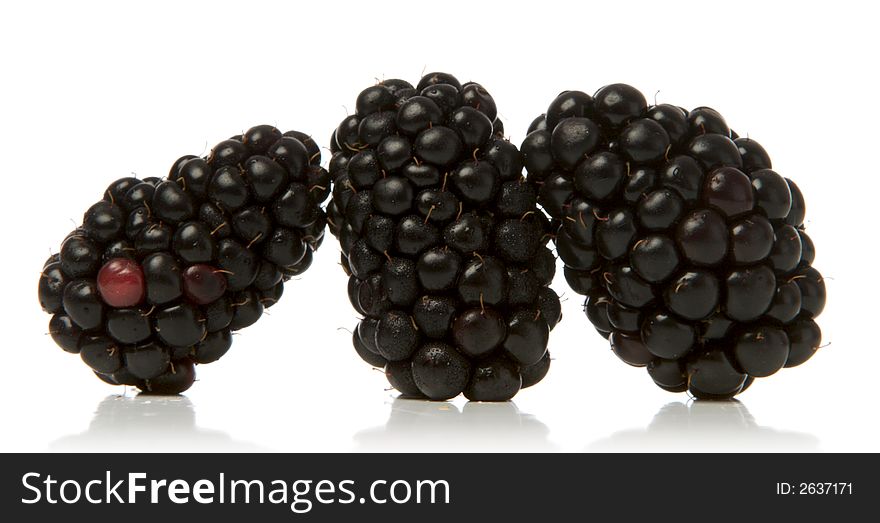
(163, 270)
(443, 242)
(689, 248)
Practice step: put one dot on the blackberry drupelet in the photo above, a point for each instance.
(690, 249)
(443, 242)
(162, 271)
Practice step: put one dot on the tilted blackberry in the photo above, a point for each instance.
(690, 249)
(443, 242)
(161, 272)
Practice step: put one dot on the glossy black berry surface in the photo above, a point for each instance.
(163, 270)
(690, 249)
(443, 241)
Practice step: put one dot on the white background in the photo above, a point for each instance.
(91, 92)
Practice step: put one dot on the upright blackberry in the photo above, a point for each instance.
(443, 242)
(690, 249)
(162, 271)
